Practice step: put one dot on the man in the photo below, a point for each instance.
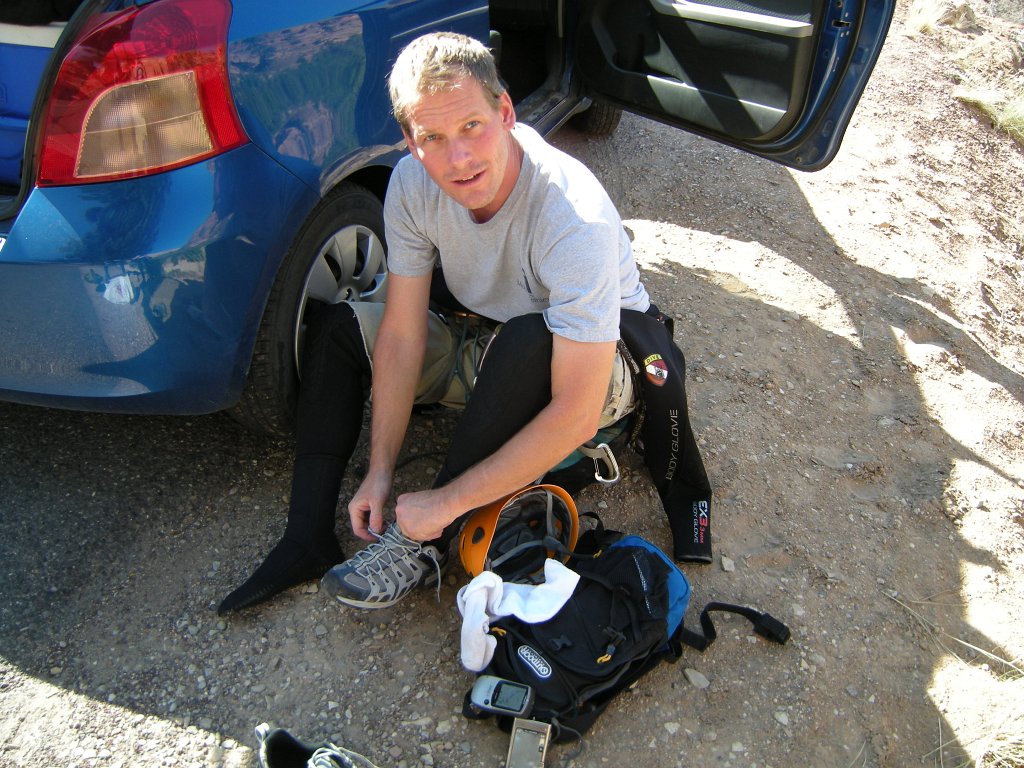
(525, 237)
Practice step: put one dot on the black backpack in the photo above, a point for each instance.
(623, 619)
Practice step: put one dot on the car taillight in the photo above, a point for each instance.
(141, 91)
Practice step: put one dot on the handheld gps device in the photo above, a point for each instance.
(503, 697)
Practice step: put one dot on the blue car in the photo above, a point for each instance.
(179, 178)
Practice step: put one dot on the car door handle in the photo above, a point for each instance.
(715, 14)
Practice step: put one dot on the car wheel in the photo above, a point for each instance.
(599, 119)
(338, 255)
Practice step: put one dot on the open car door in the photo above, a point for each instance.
(779, 78)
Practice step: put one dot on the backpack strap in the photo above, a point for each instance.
(765, 625)
(595, 540)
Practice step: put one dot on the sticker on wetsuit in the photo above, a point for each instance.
(657, 371)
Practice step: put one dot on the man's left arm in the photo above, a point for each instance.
(580, 372)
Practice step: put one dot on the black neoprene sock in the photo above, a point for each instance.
(328, 422)
(309, 547)
(288, 564)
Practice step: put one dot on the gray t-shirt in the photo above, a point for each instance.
(556, 246)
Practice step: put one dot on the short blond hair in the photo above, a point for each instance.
(435, 63)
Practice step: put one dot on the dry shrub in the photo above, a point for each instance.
(926, 16)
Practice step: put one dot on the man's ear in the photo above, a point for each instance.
(507, 111)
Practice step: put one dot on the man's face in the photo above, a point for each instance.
(464, 143)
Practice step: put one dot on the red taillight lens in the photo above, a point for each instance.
(141, 91)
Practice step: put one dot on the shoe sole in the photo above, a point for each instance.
(351, 602)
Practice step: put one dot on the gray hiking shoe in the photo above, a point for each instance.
(386, 571)
(338, 757)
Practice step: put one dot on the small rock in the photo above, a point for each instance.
(672, 728)
(697, 680)
(728, 564)
(782, 718)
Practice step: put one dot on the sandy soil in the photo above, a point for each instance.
(855, 344)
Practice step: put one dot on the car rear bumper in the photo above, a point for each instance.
(145, 295)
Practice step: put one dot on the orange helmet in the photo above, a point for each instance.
(515, 534)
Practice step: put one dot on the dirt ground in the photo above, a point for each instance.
(855, 345)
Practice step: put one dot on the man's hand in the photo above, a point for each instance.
(366, 509)
(423, 515)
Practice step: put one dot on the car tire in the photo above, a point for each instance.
(599, 119)
(338, 255)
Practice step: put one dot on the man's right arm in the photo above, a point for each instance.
(397, 360)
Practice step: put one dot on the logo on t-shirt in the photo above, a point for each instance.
(657, 371)
(525, 284)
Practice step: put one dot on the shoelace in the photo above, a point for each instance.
(390, 540)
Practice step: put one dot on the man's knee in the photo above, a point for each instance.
(326, 323)
(522, 341)
(332, 347)
(515, 376)
(530, 326)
